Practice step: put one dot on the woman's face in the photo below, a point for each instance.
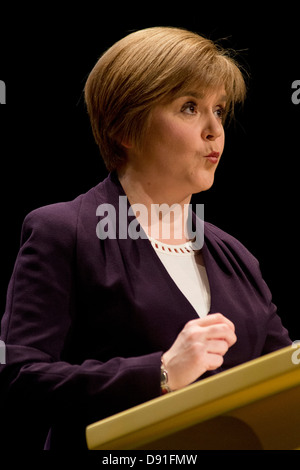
(182, 145)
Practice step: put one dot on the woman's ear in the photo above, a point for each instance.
(125, 143)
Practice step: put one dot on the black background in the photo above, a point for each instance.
(47, 148)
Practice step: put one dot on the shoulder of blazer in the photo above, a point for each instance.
(227, 247)
(60, 220)
(216, 235)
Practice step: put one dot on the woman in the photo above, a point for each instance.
(99, 318)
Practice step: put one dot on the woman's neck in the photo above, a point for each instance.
(160, 210)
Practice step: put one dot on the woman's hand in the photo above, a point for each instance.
(199, 347)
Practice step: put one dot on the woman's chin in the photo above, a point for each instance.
(203, 184)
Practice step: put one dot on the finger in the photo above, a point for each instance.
(217, 346)
(214, 318)
(214, 361)
(195, 332)
(219, 331)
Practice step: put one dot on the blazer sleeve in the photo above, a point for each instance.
(277, 336)
(37, 322)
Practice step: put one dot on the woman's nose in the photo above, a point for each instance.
(213, 129)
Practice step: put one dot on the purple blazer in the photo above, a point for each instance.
(87, 320)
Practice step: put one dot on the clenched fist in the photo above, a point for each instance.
(199, 347)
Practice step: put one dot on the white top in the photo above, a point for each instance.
(187, 270)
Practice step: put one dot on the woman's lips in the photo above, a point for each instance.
(213, 157)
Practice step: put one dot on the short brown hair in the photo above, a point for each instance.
(145, 68)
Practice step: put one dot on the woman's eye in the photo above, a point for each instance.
(189, 108)
(220, 113)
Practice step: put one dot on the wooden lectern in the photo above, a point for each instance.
(252, 406)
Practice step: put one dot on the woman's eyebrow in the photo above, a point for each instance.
(223, 98)
(198, 96)
(194, 94)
